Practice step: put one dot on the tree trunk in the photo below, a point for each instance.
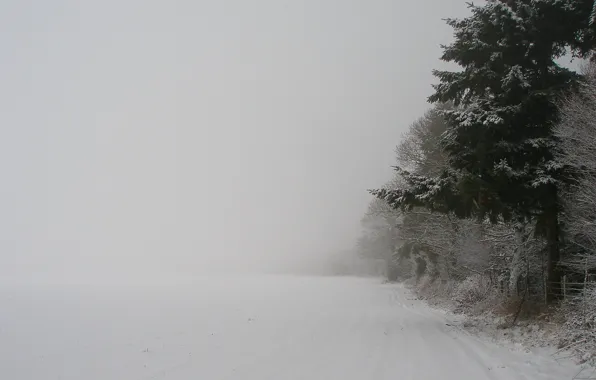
(516, 262)
(553, 273)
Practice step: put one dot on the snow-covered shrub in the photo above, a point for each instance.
(470, 292)
(436, 291)
(426, 287)
(579, 330)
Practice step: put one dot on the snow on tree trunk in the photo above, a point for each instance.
(516, 268)
(553, 274)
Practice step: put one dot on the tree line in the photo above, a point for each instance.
(496, 183)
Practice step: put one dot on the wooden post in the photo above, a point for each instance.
(564, 287)
(585, 301)
(586, 271)
(546, 289)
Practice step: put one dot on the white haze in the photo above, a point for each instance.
(182, 137)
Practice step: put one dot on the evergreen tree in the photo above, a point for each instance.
(500, 140)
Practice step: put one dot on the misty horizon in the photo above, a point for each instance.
(186, 137)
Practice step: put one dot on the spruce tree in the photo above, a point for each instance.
(500, 139)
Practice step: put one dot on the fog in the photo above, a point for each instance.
(143, 138)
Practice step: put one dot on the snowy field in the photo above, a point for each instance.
(249, 328)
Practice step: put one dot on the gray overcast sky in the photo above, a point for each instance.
(188, 135)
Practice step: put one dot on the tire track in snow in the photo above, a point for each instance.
(494, 361)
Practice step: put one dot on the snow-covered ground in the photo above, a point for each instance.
(249, 328)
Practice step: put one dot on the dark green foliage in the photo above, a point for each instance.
(499, 142)
(501, 135)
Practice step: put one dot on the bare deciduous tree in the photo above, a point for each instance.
(577, 133)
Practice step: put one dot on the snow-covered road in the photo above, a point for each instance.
(249, 328)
